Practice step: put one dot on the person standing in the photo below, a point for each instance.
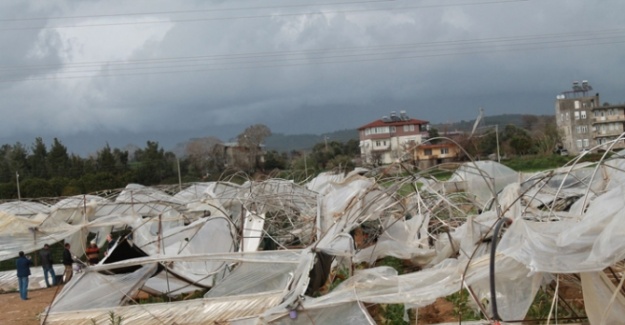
(93, 253)
(110, 243)
(47, 264)
(67, 262)
(23, 264)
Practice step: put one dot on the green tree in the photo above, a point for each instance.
(153, 164)
(275, 160)
(58, 160)
(18, 160)
(517, 140)
(105, 161)
(36, 187)
(37, 161)
(6, 174)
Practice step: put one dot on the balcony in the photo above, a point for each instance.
(607, 133)
(608, 118)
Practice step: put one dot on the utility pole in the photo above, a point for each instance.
(17, 176)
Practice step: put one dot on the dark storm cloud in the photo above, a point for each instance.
(199, 73)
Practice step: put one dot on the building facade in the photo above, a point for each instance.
(584, 122)
(391, 138)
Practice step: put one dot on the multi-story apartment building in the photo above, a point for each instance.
(607, 125)
(584, 123)
(391, 138)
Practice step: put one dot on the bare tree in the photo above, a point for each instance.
(250, 141)
(204, 154)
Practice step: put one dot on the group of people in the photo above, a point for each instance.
(23, 264)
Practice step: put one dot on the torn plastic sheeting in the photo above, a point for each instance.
(136, 193)
(598, 291)
(90, 290)
(204, 236)
(168, 284)
(22, 234)
(250, 278)
(8, 279)
(196, 311)
(194, 192)
(24, 209)
(484, 178)
(351, 313)
(284, 256)
(419, 289)
(400, 239)
(321, 183)
(591, 244)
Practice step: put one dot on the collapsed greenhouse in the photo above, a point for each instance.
(279, 252)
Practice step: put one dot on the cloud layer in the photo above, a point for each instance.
(92, 72)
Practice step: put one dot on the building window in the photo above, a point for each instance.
(584, 128)
(579, 143)
(596, 113)
(585, 143)
(583, 114)
(567, 116)
(378, 143)
(367, 131)
(408, 128)
(444, 151)
(427, 152)
(577, 115)
(392, 129)
(576, 104)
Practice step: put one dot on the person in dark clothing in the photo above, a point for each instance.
(110, 243)
(67, 262)
(46, 264)
(23, 264)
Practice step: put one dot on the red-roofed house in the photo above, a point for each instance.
(390, 138)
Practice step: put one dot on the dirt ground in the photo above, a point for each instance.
(14, 311)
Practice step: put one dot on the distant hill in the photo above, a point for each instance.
(501, 120)
(288, 142)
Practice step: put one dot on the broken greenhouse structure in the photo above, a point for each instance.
(279, 252)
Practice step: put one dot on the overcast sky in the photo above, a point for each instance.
(124, 72)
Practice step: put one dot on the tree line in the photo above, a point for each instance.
(52, 171)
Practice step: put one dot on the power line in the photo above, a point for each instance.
(175, 12)
(311, 13)
(555, 37)
(375, 53)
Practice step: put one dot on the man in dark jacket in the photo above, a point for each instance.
(23, 264)
(46, 264)
(67, 261)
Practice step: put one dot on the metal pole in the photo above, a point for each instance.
(179, 177)
(497, 139)
(305, 165)
(17, 176)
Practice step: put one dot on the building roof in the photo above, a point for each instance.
(380, 122)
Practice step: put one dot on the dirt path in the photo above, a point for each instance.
(14, 311)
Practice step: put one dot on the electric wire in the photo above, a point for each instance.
(327, 59)
(175, 12)
(559, 37)
(310, 13)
